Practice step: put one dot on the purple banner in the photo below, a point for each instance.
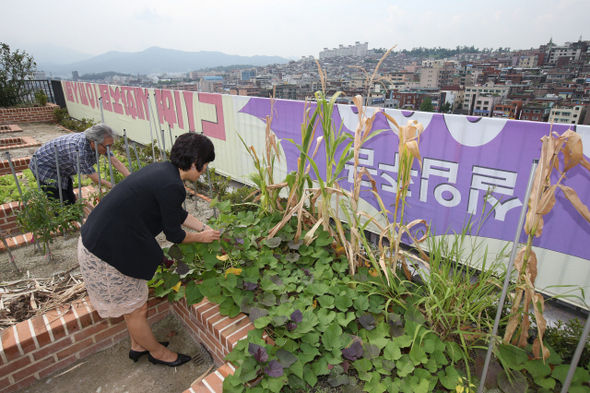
(462, 157)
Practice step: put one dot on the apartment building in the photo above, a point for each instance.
(535, 112)
(487, 95)
(436, 74)
(508, 109)
(568, 115)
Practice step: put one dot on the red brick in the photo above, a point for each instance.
(91, 331)
(157, 317)
(4, 382)
(52, 348)
(110, 332)
(9, 344)
(214, 382)
(208, 314)
(239, 327)
(237, 336)
(116, 321)
(72, 349)
(33, 368)
(95, 348)
(84, 317)
(225, 370)
(20, 385)
(163, 307)
(224, 325)
(15, 365)
(56, 367)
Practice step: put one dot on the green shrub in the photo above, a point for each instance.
(63, 118)
(564, 338)
(41, 97)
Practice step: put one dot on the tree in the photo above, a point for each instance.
(426, 105)
(15, 67)
(446, 107)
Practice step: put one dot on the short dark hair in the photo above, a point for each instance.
(192, 149)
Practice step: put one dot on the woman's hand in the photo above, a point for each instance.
(209, 235)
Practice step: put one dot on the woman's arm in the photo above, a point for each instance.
(205, 235)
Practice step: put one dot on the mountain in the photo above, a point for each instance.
(48, 53)
(155, 60)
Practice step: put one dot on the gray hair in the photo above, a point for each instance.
(98, 132)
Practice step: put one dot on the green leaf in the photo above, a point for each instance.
(344, 319)
(517, 383)
(309, 375)
(392, 351)
(547, 383)
(512, 356)
(267, 285)
(286, 358)
(449, 377)
(311, 338)
(261, 322)
(320, 366)
(331, 337)
(418, 355)
(308, 352)
(362, 365)
(226, 306)
(275, 384)
(454, 351)
(361, 303)
(404, 341)
(317, 289)
(192, 293)
(370, 351)
(326, 301)
(404, 366)
(537, 369)
(297, 368)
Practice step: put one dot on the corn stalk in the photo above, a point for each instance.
(541, 201)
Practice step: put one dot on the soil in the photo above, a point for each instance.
(110, 370)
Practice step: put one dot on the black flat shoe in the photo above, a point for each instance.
(182, 359)
(135, 355)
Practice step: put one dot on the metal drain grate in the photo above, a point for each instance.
(204, 361)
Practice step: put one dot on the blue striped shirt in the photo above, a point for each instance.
(46, 170)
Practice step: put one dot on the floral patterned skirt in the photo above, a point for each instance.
(111, 292)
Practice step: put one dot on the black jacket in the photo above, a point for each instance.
(121, 229)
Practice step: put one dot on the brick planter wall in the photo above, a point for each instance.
(5, 129)
(18, 142)
(39, 347)
(34, 349)
(28, 115)
(20, 164)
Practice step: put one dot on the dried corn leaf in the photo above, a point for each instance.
(573, 150)
(572, 196)
(547, 200)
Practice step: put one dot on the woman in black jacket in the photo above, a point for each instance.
(118, 252)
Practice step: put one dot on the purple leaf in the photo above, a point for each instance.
(258, 351)
(345, 366)
(306, 271)
(354, 352)
(182, 268)
(274, 369)
(368, 321)
(291, 326)
(239, 240)
(250, 286)
(297, 316)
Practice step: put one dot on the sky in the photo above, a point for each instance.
(288, 28)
